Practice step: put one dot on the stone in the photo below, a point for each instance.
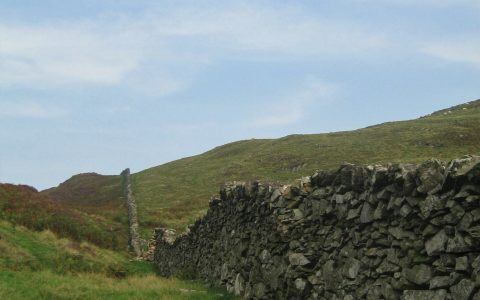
(388, 292)
(437, 243)
(351, 268)
(457, 213)
(431, 176)
(471, 189)
(265, 256)
(395, 202)
(457, 244)
(405, 210)
(430, 204)
(461, 195)
(224, 272)
(315, 280)
(248, 292)
(473, 198)
(379, 177)
(399, 234)
(440, 282)
(287, 191)
(331, 276)
(297, 214)
(476, 264)
(387, 267)
(239, 286)
(461, 263)
(380, 211)
(445, 263)
(366, 215)
(424, 295)
(419, 274)
(429, 230)
(463, 290)
(275, 195)
(414, 201)
(426, 207)
(319, 194)
(298, 259)
(474, 232)
(320, 207)
(353, 213)
(384, 194)
(300, 284)
(465, 223)
(306, 184)
(259, 290)
(461, 166)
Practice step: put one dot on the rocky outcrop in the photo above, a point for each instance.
(134, 235)
(396, 232)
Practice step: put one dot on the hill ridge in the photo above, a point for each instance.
(174, 194)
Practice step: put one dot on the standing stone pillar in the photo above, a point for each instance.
(133, 234)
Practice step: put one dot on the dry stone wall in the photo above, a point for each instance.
(133, 228)
(397, 232)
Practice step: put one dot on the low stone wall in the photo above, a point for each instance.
(396, 232)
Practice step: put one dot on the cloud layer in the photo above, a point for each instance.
(119, 49)
(292, 109)
(31, 110)
(466, 52)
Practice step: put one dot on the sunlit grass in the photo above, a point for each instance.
(48, 285)
(38, 265)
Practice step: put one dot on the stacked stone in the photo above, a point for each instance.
(395, 232)
(133, 232)
(148, 255)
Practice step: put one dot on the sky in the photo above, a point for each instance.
(101, 85)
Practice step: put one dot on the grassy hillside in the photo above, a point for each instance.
(23, 205)
(176, 193)
(38, 265)
(92, 193)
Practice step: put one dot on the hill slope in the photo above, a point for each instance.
(38, 265)
(176, 193)
(23, 205)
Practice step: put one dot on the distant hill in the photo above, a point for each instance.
(176, 193)
(94, 194)
(23, 205)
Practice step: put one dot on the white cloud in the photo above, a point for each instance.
(146, 52)
(31, 110)
(284, 30)
(456, 51)
(294, 107)
(60, 54)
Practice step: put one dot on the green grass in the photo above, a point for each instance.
(48, 285)
(26, 250)
(38, 265)
(23, 205)
(176, 193)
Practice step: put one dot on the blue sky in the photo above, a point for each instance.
(100, 85)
